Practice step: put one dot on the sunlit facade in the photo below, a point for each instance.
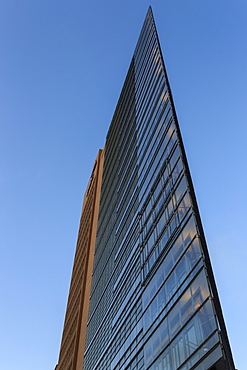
(72, 347)
(153, 302)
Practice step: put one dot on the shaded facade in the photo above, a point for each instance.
(153, 300)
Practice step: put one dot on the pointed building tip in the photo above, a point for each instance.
(150, 12)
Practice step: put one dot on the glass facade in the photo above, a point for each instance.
(153, 302)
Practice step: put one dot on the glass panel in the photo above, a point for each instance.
(170, 208)
(173, 223)
(161, 224)
(177, 170)
(168, 188)
(156, 343)
(211, 359)
(181, 189)
(189, 232)
(153, 309)
(183, 207)
(145, 297)
(199, 290)
(166, 361)
(178, 351)
(159, 277)
(170, 286)
(149, 223)
(165, 175)
(158, 366)
(207, 320)
(151, 260)
(149, 206)
(159, 204)
(164, 335)
(174, 320)
(177, 248)
(190, 339)
(174, 157)
(181, 270)
(194, 252)
(157, 190)
(148, 352)
(150, 242)
(146, 319)
(161, 299)
(186, 306)
(152, 288)
(168, 264)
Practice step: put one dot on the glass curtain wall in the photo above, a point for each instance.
(153, 305)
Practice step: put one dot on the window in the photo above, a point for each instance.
(174, 320)
(164, 335)
(150, 243)
(199, 290)
(178, 351)
(186, 306)
(181, 270)
(190, 339)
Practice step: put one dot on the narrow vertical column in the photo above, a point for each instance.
(74, 334)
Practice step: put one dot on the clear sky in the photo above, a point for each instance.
(62, 67)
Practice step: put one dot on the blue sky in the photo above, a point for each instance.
(63, 64)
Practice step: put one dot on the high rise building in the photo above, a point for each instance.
(75, 324)
(143, 294)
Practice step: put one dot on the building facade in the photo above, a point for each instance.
(153, 299)
(75, 325)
